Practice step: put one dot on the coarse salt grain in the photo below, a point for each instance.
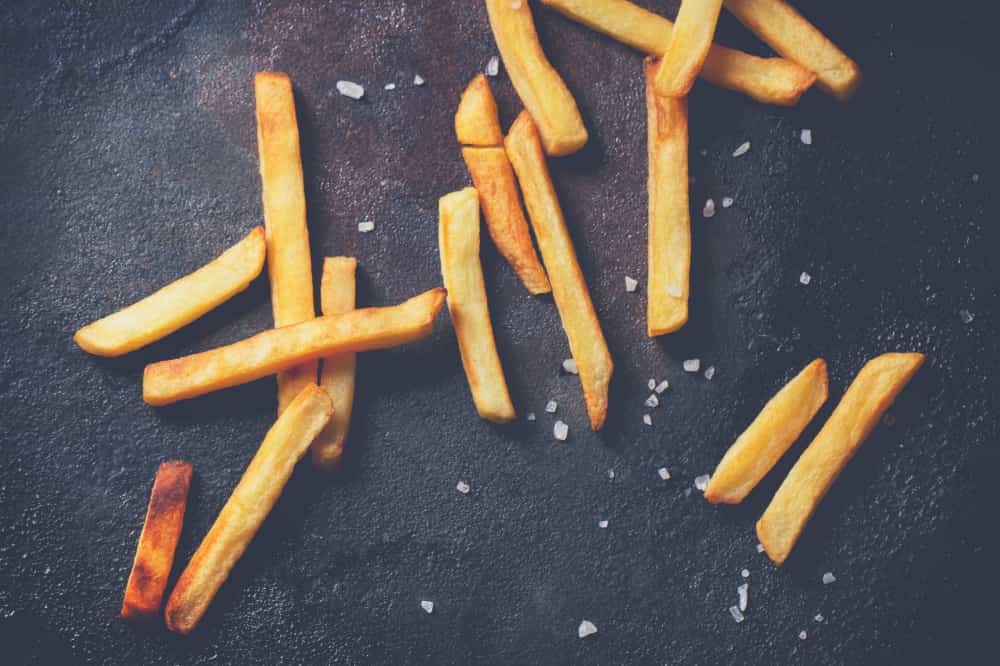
(805, 278)
(736, 613)
(493, 66)
(561, 431)
(709, 209)
(603, 524)
(662, 386)
(710, 372)
(745, 573)
(742, 149)
(630, 284)
(569, 365)
(675, 291)
(531, 416)
(966, 316)
(664, 473)
(418, 80)
(586, 628)
(611, 473)
(742, 591)
(551, 406)
(828, 578)
(427, 606)
(802, 635)
(390, 86)
(651, 383)
(692, 365)
(350, 89)
(365, 227)
(760, 548)
(652, 401)
(647, 419)
(818, 617)
(701, 482)
(462, 487)
(806, 136)
(727, 202)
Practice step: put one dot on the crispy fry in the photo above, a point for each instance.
(537, 83)
(768, 80)
(569, 290)
(790, 34)
(688, 47)
(289, 265)
(179, 303)
(254, 496)
(869, 395)
(669, 226)
(337, 378)
(775, 429)
(458, 241)
(280, 348)
(494, 179)
(477, 121)
(154, 556)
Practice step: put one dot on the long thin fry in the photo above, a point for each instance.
(177, 304)
(768, 80)
(579, 320)
(776, 428)
(870, 394)
(688, 46)
(337, 378)
(669, 225)
(289, 264)
(252, 500)
(277, 349)
(786, 31)
(458, 241)
(477, 121)
(536, 81)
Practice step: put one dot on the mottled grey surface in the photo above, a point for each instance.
(129, 158)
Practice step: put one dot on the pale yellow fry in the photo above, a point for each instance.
(337, 296)
(569, 290)
(786, 31)
(458, 242)
(669, 226)
(536, 81)
(477, 121)
(688, 46)
(768, 80)
(869, 395)
(289, 264)
(178, 304)
(276, 349)
(252, 500)
(775, 429)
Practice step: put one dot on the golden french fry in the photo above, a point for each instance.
(289, 264)
(688, 47)
(669, 226)
(768, 80)
(536, 81)
(277, 349)
(477, 121)
(775, 429)
(154, 556)
(786, 31)
(178, 304)
(494, 179)
(337, 378)
(569, 290)
(254, 496)
(458, 242)
(869, 395)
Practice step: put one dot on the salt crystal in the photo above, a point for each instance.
(692, 365)
(710, 372)
(652, 401)
(675, 291)
(587, 627)
(805, 278)
(561, 431)
(630, 284)
(818, 618)
(802, 635)
(365, 227)
(701, 482)
(662, 386)
(611, 473)
(736, 613)
(463, 487)
(651, 383)
(390, 86)
(664, 473)
(742, 149)
(603, 524)
(745, 573)
(828, 578)
(760, 548)
(418, 80)
(551, 406)
(350, 89)
(647, 419)
(569, 365)
(531, 416)
(806, 136)
(427, 606)
(727, 202)
(742, 592)
(709, 209)
(966, 316)
(493, 66)
(975, 178)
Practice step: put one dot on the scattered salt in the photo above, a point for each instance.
(586, 627)
(561, 431)
(551, 406)
(742, 149)
(966, 316)
(805, 278)
(647, 419)
(611, 473)
(664, 473)
(569, 365)
(652, 401)
(651, 383)
(818, 618)
(802, 635)
(806, 136)
(701, 482)
(662, 386)
(630, 284)
(463, 487)
(531, 416)
(727, 202)
(742, 591)
(760, 548)
(427, 606)
(493, 66)
(350, 89)
(736, 613)
(365, 227)
(710, 372)
(709, 209)
(390, 86)
(418, 80)
(828, 578)
(692, 365)
(675, 291)
(745, 573)
(603, 524)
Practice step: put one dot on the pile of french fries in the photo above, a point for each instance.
(314, 406)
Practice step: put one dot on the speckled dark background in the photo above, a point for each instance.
(129, 158)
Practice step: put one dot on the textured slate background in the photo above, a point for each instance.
(129, 158)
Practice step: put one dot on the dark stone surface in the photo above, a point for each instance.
(129, 158)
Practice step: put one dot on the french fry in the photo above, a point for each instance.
(477, 121)
(154, 556)
(669, 225)
(774, 430)
(494, 179)
(289, 264)
(786, 31)
(688, 47)
(252, 500)
(177, 304)
(870, 394)
(277, 349)
(337, 378)
(767, 80)
(458, 241)
(569, 290)
(536, 81)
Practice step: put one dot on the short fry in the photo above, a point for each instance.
(337, 296)
(277, 349)
(688, 47)
(492, 175)
(870, 394)
(786, 31)
(179, 303)
(259, 488)
(569, 290)
(669, 224)
(477, 121)
(458, 242)
(768, 80)
(289, 264)
(774, 430)
(154, 556)
(537, 83)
